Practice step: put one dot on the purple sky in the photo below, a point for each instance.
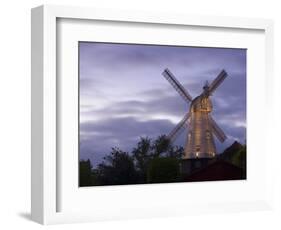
(123, 94)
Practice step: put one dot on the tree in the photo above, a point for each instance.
(85, 175)
(142, 156)
(147, 150)
(160, 146)
(120, 167)
(239, 158)
(117, 169)
(235, 154)
(163, 170)
(175, 152)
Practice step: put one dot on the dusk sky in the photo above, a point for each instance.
(124, 96)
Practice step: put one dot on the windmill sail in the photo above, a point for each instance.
(176, 131)
(217, 130)
(219, 79)
(178, 87)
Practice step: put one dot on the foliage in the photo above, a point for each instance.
(117, 169)
(85, 175)
(176, 152)
(236, 154)
(151, 161)
(164, 169)
(160, 146)
(142, 156)
(239, 158)
(148, 150)
(120, 167)
(229, 152)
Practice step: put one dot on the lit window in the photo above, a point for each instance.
(197, 151)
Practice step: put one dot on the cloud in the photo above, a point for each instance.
(97, 138)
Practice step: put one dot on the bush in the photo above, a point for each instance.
(117, 169)
(163, 170)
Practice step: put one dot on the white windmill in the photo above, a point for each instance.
(201, 126)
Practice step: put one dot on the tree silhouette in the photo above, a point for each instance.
(117, 169)
(160, 146)
(175, 152)
(163, 169)
(85, 175)
(151, 161)
(239, 158)
(142, 156)
(148, 150)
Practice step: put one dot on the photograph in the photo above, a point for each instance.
(157, 113)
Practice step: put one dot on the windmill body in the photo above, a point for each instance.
(200, 140)
(201, 126)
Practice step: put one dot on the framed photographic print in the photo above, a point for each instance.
(139, 114)
(125, 120)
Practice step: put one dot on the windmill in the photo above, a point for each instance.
(198, 120)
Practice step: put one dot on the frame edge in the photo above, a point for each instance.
(42, 15)
(37, 163)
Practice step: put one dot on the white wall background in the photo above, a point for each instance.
(15, 112)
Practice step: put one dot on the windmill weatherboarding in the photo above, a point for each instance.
(201, 126)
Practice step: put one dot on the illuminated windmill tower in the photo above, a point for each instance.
(198, 120)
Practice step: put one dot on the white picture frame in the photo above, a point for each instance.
(46, 181)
